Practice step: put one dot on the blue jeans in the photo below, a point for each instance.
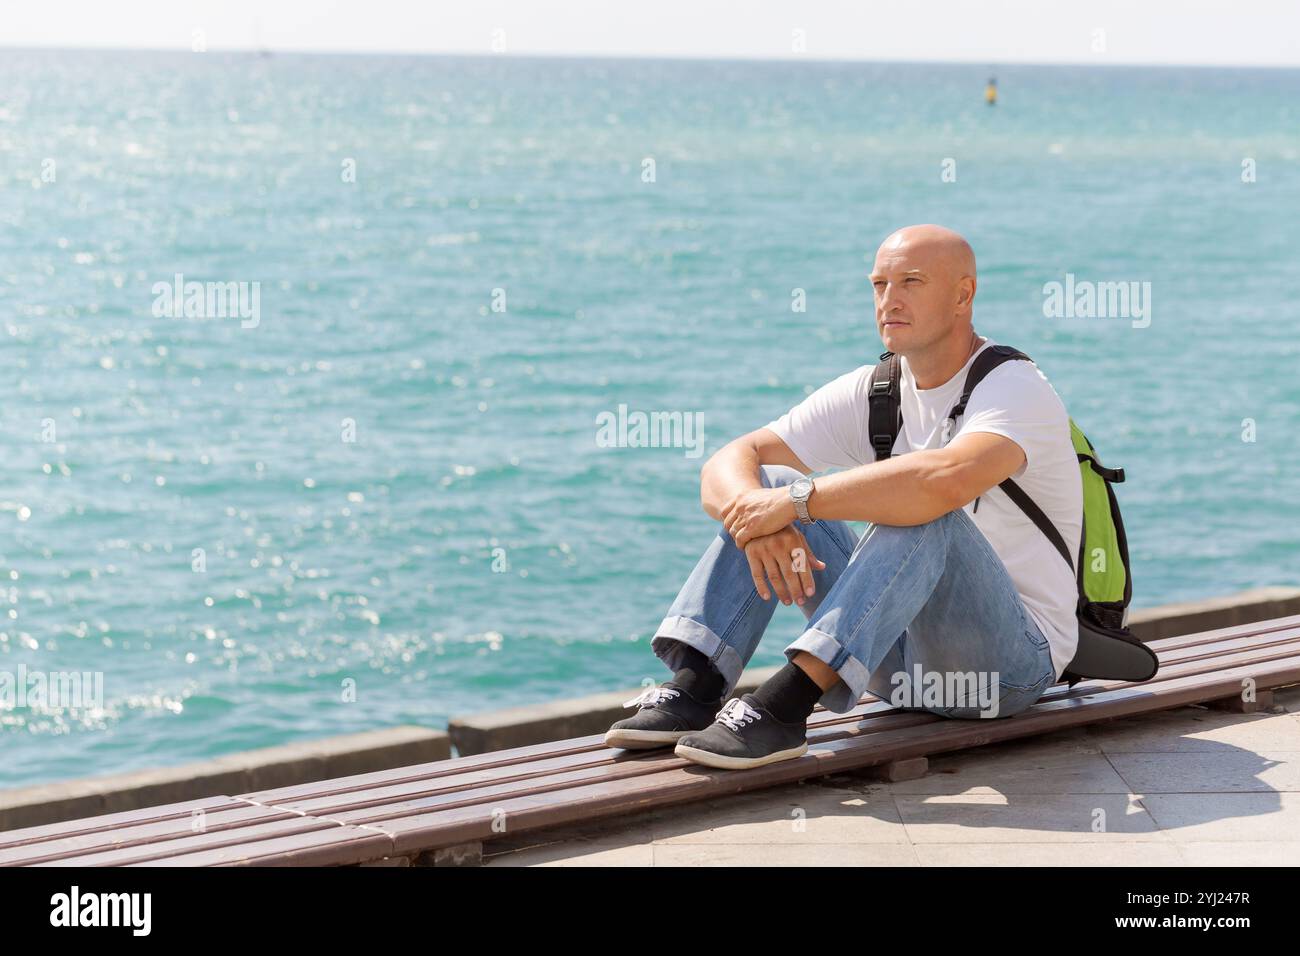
(924, 617)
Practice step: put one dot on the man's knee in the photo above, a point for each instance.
(776, 476)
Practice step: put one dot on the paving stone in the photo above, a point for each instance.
(1029, 818)
(1226, 817)
(1229, 770)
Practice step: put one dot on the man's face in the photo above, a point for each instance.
(915, 299)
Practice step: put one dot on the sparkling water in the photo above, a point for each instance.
(357, 478)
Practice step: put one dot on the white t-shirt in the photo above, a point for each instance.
(828, 429)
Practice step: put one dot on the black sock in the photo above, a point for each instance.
(789, 694)
(697, 676)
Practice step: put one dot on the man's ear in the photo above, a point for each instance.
(966, 291)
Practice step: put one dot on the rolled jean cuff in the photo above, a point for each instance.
(700, 637)
(853, 674)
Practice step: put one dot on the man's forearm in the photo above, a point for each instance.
(733, 469)
(906, 490)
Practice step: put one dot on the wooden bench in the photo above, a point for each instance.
(443, 812)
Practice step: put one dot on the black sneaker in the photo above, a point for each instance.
(745, 735)
(667, 714)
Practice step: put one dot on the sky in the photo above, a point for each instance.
(1208, 32)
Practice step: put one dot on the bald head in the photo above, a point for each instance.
(938, 246)
(924, 280)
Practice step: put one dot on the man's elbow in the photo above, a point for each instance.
(706, 468)
(705, 500)
(950, 489)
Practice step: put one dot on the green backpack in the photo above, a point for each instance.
(1107, 649)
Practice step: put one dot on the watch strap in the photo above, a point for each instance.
(801, 509)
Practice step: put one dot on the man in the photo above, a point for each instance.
(952, 583)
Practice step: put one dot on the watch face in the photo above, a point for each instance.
(801, 488)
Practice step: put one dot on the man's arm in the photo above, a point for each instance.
(908, 489)
(919, 486)
(734, 468)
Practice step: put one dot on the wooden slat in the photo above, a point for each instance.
(1222, 633)
(443, 767)
(111, 821)
(1208, 649)
(139, 834)
(338, 846)
(235, 839)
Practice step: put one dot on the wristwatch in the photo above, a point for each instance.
(800, 491)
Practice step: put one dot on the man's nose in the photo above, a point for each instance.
(889, 300)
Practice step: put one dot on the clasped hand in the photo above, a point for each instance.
(760, 524)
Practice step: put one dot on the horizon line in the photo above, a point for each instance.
(648, 57)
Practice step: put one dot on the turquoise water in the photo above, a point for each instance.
(372, 561)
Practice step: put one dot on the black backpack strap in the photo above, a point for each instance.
(1035, 514)
(988, 360)
(884, 405)
(1113, 475)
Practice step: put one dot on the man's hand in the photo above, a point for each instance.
(754, 513)
(785, 559)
